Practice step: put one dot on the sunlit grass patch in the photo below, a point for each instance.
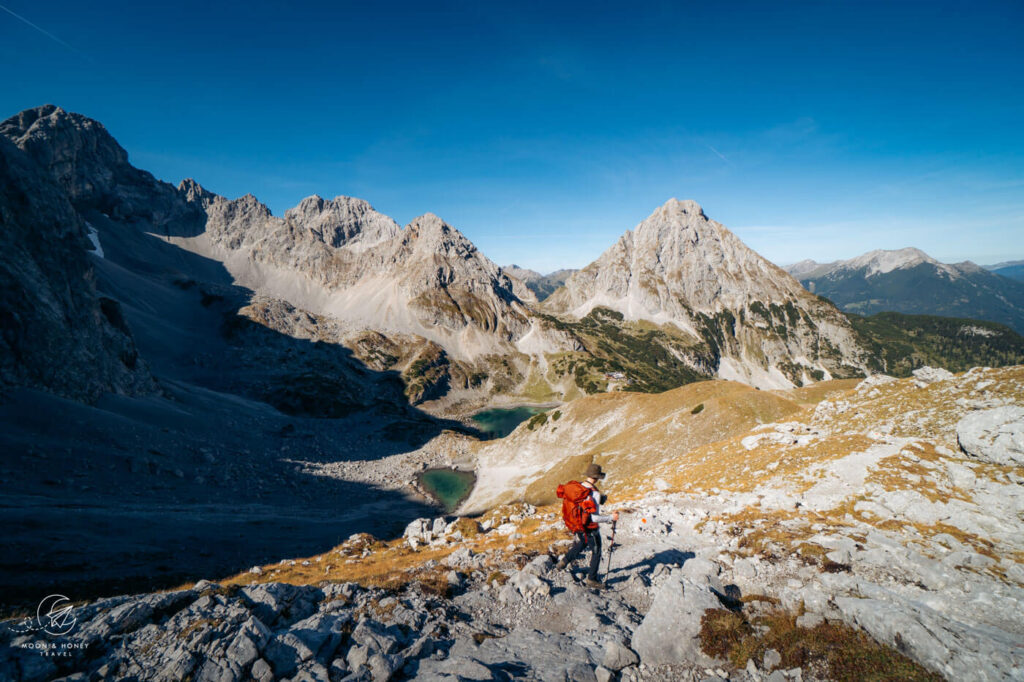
(392, 565)
(830, 650)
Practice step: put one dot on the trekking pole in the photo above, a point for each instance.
(611, 546)
(611, 542)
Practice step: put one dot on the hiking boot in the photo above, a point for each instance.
(596, 584)
(561, 565)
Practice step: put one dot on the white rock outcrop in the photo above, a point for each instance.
(995, 435)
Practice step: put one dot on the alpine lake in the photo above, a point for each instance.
(451, 486)
(447, 486)
(498, 422)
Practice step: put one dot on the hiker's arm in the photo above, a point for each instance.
(598, 517)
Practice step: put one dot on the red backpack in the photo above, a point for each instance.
(577, 506)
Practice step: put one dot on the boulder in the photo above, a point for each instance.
(929, 375)
(460, 558)
(669, 632)
(539, 565)
(529, 585)
(438, 527)
(261, 671)
(418, 532)
(269, 601)
(618, 656)
(995, 435)
(250, 639)
(375, 635)
(285, 652)
(384, 666)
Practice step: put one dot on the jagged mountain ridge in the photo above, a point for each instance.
(910, 281)
(679, 267)
(426, 285)
(351, 262)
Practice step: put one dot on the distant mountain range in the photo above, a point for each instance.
(1013, 269)
(541, 285)
(197, 276)
(910, 281)
(197, 287)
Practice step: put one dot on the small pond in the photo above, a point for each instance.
(498, 422)
(447, 486)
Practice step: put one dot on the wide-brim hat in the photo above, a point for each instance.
(594, 471)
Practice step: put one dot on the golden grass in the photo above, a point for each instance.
(727, 465)
(905, 471)
(831, 650)
(815, 393)
(392, 565)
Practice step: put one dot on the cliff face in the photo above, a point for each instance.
(679, 267)
(58, 333)
(93, 170)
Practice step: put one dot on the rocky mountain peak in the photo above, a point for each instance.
(676, 259)
(675, 207)
(430, 236)
(678, 266)
(194, 192)
(430, 225)
(342, 221)
(78, 152)
(93, 169)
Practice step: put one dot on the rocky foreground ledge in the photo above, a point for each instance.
(505, 613)
(876, 534)
(530, 623)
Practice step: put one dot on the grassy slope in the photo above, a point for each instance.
(928, 415)
(625, 432)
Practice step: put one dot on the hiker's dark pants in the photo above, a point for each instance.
(590, 539)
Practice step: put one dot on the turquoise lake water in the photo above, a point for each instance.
(498, 422)
(447, 486)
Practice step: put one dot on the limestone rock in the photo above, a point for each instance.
(995, 435)
(929, 375)
(669, 632)
(618, 656)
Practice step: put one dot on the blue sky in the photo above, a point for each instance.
(811, 129)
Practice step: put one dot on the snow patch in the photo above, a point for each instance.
(94, 237)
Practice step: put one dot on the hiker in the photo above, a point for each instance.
(581, 510)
